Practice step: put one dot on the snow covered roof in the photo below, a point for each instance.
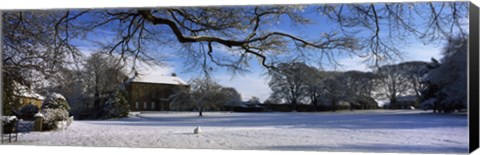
(24, 91)
(158, 79)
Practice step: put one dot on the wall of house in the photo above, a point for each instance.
(34, 101)
(150, 96)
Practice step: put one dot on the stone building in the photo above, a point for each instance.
(151, 92)
(27, 96)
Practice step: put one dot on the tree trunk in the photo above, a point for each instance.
(334, 106)
(315, 104)
(294, 105)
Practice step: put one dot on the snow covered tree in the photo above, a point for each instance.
(34, 47)
(104, 75)
(55, 108)
(447, 83)
(71, 83)
(116, 105)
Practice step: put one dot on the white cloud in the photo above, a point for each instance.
(422, 52)
(415, 52)
(353, 63)
(248, 85)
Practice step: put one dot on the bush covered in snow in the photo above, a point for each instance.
(8, 124)
(8, 119)
(55, 101)
(52, 116)
(54, 108)
(116, 105)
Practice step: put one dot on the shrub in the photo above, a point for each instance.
(54, 108)
(52, 116)
(55, 101)
(9, 123)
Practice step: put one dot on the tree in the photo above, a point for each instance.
(333, 89)
(314, 85)
(447, 82)
(288, 82)
(71, 83)
(254, 100)
(39, 42)
(116, 105)
(414, 71)
(247, 31)
(359, 87)
(393, 83)
(383, 28)
(203, 94)
(34, 48)
(103, 76)
(230, 96)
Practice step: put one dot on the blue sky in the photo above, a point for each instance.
(255, 82)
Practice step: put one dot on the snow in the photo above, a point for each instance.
(159, 79)
(57, 96)
(7, 119)
(358, 131)
(24, 91)
(38, 115)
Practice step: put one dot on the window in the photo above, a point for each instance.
(153, 105)
(137, 105)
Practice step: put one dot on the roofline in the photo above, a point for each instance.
(160, 83)
(29, 97)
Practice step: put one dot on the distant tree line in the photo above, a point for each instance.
(440, 86)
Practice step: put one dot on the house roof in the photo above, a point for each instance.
(24, 91)
(158, 79)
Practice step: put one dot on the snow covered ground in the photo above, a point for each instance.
(357, 131)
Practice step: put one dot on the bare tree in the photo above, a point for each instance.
(314, 85)
(392, 83)
(245, 32)
(333, 89)
(385, 27)
(414, 71)
(289, 82)
(202, 94)
(359, 87)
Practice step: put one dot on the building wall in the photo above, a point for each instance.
(34, 101)
(150, 96)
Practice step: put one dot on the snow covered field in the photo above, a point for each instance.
(362, 131)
